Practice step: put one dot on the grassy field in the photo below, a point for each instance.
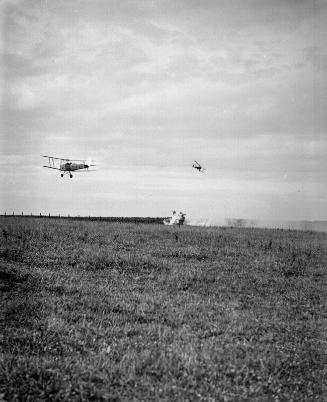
(98, 311)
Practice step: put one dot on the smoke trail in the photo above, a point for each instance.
(320, 226)
(204, 221)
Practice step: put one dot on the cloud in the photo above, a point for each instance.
(150, 86)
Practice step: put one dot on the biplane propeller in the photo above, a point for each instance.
(67, 166)
(196, 165)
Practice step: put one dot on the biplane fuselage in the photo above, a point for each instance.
(70, 166)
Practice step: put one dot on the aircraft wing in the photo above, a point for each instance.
(65, 159)
(85, 170)
(50, 167)
(54, 157)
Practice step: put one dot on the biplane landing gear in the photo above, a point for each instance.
(62, 175)
(70, 175)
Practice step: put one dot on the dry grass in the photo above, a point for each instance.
(120, 312)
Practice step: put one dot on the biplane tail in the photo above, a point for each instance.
(89, 162)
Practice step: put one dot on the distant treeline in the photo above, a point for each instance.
(124, 219)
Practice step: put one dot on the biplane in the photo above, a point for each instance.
(196, 165)
(67, 166)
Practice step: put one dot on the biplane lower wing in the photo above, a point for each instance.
(50, 167)
(84, 171)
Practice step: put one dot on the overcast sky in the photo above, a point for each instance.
(146, 87)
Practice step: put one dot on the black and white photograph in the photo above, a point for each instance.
(163, 200)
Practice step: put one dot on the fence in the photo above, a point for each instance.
(125, 219)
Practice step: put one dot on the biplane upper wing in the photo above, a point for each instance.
(54, 157)
(66, 159)
(63, 159)
(75, 160)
